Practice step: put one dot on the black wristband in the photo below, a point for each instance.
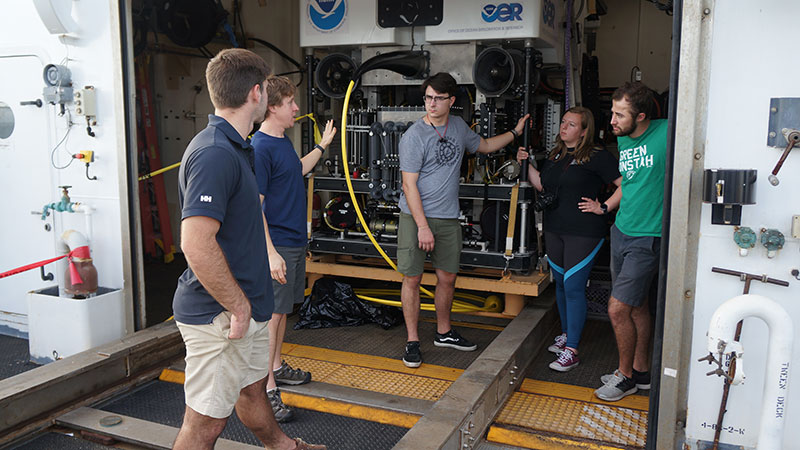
(322, 150)
(604, 207)
(514, 132)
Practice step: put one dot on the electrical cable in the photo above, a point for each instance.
(457, 306)
(277, 50)
(53, 152)
(300, 69)
(568, 55)
(350, 183)
(317, 139)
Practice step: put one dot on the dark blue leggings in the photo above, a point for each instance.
(571, 259)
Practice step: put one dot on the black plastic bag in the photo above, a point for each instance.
(334, 304)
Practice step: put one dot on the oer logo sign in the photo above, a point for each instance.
(503, 12)
(326, 15)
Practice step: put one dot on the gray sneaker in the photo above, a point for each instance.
(642, 379)
(286, 375)
(617, 387)
(559, 344)
(281, 411)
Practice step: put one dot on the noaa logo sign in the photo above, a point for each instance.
(503, 12)
(327, 15)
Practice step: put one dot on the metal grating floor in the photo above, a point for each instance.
(598, 355)
(371, 339)
(574, 418)
(163, 403)
(374, 380)
(14, 357)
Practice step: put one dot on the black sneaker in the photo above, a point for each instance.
(454, 340)
(412, 357)
(617, 387)
(642, 379)
(285, 374)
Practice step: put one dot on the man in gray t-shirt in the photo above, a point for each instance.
(431, 151)
(437, 160)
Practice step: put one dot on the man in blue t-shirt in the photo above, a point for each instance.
(280, 173)
(223, 301)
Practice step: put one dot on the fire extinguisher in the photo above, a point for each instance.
(316, 208)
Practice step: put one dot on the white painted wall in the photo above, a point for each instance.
(634, 33)
(751, 62)
(29, 180)
(174, 76)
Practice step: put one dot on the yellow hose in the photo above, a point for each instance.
(350, 184)
(457, 306)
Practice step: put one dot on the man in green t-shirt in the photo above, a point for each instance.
(635, 236)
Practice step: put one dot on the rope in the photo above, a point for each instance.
(80, 253)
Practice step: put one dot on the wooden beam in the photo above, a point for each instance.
(530, 285)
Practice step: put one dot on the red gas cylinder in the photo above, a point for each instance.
(86, 284)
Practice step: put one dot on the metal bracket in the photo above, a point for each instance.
(467, 439)
(783, 113)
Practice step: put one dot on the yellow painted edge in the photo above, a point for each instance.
(581, 393)
(479, 326)
(338, 408)
(172, 376)
(540, 442)
(371, 362)
(528, 385)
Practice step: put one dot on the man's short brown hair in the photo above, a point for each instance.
(232, 73)
(279, 88)
(442, 82)
(638, 95)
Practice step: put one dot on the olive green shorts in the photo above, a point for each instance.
(446, 254)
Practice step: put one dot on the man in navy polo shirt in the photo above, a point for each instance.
(223, 301)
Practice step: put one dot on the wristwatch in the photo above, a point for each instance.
(604, 207)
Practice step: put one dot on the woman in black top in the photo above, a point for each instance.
(569, 183)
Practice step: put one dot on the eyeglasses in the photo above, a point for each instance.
(437, 99)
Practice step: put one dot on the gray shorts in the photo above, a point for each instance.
(634, 261)
(286, 295)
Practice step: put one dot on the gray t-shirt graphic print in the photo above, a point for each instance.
(436, 156)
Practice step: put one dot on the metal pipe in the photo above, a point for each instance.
(523, 175)
(723, 405)
(375, 160)
(87, 211)
(309, 60)
(523, 227)
(721, 333)
(386, 170)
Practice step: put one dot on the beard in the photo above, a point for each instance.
(625, 131)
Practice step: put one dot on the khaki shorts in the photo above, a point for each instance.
(446, 254)
(218, 368)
